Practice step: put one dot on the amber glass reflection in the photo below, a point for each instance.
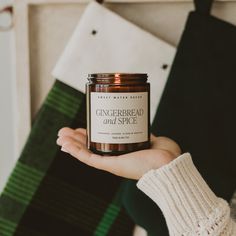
(117, 82)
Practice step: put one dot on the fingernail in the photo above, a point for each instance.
(59, 142)
(64, 150)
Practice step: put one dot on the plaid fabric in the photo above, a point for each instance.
(49, 193)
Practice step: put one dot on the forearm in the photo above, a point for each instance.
(188, 204)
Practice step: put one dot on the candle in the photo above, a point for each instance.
(118, 113)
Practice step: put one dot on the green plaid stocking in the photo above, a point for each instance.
(51, 194)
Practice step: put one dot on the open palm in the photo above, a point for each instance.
(132, 165)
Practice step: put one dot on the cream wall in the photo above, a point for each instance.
(7, 156)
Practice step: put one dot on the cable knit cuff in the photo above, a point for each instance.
(180, 192)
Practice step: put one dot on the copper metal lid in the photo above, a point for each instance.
(118, 75)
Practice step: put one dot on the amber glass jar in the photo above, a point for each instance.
(118, 113)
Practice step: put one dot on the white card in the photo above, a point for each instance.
(105, 42)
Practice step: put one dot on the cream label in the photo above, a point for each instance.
(119, 117)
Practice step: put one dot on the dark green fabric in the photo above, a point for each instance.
(144, 211)
(49, 193)
(198, 109)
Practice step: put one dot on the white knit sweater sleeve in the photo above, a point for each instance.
(188, 204)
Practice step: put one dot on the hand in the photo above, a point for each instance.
(132, 165)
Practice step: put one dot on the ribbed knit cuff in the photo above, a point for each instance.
(180, 192)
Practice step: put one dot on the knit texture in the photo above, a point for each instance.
(188, 204)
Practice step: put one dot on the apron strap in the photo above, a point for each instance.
(203, 6)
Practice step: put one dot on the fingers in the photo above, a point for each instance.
(68, 139)
(78, 134)
(113, 164)
(164, 143)
(82, 131)
(69, 131)
(80, 152)
(74, 143)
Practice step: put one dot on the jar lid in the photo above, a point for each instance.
(118, 78)
(118, 75)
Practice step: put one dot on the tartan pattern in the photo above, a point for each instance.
(49, 193)
(23, 183)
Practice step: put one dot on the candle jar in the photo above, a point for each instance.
(118, 113)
